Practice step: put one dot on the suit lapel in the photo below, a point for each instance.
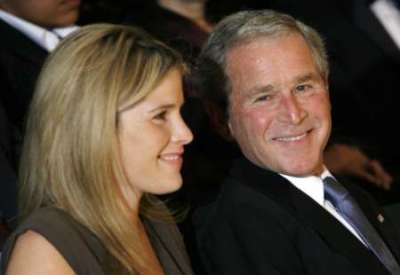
(334, 233)
(376, 216)
(387, 229)
(21, 45)
(309, 213)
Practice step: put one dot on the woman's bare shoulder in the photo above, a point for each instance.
(34, 254)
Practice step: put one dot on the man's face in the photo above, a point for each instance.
(279, 106)
(45, 13)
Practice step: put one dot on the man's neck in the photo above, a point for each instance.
(8, 7)
(4, 7)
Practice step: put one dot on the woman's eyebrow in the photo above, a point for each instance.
(162, 107)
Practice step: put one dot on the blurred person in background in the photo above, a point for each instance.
(183, 24)
(29, 29)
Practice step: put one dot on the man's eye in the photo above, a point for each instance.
(263, 98)
(303, 88)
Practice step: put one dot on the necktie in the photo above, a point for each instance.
(351, 212)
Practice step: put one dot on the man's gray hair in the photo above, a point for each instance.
(245, 26)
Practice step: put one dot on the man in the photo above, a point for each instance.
(279, 211)
(30, 29)
(364, 53)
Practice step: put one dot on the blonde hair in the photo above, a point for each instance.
(70, 156)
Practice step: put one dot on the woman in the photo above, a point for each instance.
(104, 133)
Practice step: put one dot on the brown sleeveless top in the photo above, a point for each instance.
(86, 254)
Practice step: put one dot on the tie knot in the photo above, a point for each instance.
(334, 191)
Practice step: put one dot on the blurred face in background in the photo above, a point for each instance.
(191, 1)
(152, 136)
(45, 13)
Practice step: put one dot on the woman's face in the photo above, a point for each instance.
(152, 136)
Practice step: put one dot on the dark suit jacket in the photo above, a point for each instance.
(262, 224)
(20, 63)
(21, 60)
(8, 187)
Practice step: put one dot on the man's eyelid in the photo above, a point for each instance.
(262, 97)
(304, 84)
(261, 94)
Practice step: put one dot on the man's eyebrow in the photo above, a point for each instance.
(307, 77)
(260, 89)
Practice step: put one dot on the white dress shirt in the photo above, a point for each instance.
(313, 187)
(389, 16)
(47, 39)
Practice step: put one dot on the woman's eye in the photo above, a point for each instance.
(160, 116)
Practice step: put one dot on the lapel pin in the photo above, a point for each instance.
(381, 219)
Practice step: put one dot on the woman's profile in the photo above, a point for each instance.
(104, 135)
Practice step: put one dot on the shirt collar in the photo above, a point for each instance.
(311, 185)
(41, 36)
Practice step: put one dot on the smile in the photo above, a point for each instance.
(291, 138)
(171, 157)
(173, 160)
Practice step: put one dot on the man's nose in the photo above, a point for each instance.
(292, 110)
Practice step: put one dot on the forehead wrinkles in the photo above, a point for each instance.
(236, 78)
(233, 64)
(239, 58)
(238, 61)
(264, 54)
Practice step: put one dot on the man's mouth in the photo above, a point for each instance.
(291, 138)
